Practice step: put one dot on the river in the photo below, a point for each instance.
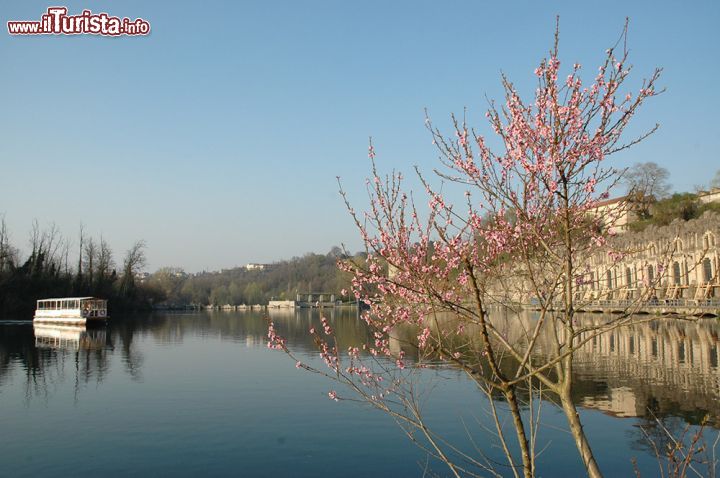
(187, 394)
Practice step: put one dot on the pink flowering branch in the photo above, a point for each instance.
(531, 216)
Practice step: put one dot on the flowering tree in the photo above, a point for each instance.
(433, 280)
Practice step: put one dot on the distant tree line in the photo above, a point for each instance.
(282, 281)
(48, 272)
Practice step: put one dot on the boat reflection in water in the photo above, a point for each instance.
(69, 337)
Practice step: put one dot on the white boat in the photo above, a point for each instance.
(71, 310)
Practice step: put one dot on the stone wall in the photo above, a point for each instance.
(680, 260)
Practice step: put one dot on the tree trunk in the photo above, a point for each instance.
(581, 441)
(527, 458)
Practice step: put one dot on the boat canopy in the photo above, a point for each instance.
(63, 303)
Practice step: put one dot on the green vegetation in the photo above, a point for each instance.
(651, 200)
(683, 206)
(282, 281)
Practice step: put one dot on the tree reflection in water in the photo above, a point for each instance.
(663, 367)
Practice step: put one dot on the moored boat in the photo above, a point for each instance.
(71, 310)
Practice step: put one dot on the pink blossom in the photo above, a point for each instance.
(616, 256)
(275, 341)
(590, 185)
(548, 167)
(422, 338)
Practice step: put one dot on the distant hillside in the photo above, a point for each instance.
(281, 280)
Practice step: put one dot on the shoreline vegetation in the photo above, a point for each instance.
(48, 270)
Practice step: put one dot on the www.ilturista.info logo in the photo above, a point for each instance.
(57, 22)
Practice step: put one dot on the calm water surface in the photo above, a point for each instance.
(199, 393)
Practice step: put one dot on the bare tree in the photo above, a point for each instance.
(90, 251)
(80, 254)
(647, 183)
(8, 254)
(132, 264)
(46, 246)
(105, 262)
(715, 183)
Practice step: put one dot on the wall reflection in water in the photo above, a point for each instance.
(665, 367)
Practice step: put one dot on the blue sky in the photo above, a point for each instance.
(217, 138)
